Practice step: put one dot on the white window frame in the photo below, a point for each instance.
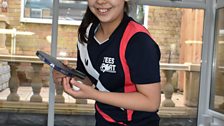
(146, 15)
(212, 112)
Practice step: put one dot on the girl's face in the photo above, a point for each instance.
(107, 11)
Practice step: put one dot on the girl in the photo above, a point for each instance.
(126, 93)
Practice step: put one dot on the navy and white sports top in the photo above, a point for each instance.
(101, 62)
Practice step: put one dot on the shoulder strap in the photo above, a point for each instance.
(132, 28)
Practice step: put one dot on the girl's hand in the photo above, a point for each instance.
(85, 90)
(57, 76)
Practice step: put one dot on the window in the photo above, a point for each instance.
(217, 88)
(40, 11)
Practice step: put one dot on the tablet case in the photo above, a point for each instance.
(59, 66)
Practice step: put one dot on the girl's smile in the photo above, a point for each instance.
(103, 11)
(107, 10)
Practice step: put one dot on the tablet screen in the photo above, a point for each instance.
(58, 65)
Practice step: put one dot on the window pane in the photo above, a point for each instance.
(178, 31)
(217, 90)
(72, 10)
(38, 8)
(69, 10)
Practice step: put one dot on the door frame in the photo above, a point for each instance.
(208, 35)
(206, 116)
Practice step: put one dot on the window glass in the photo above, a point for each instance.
(39, 10)
(217, 87)
(178, 32)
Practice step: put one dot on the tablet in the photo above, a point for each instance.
(59, 66)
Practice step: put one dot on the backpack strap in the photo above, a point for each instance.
(130, 31)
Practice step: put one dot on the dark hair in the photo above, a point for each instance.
(89, 18)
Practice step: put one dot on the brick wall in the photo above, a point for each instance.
(165, 25)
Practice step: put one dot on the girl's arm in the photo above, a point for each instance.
(147, 97)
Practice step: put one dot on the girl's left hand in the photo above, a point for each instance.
(85, 90)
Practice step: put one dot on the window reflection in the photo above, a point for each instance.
(217, 87)
(70, 10)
